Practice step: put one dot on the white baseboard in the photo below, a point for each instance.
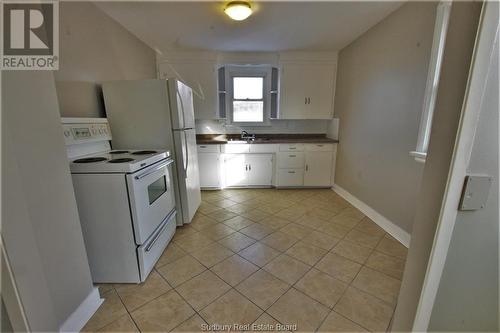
(77, 320)
(402, 236)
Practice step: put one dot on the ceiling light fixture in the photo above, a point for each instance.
(238, 10)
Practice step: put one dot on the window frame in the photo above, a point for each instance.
(436, 58)
(233, 71)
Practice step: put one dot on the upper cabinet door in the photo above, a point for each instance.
(321, 93)
(201, 77)
(307, 91)
(293, 100)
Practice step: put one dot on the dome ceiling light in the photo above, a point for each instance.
(238, 10)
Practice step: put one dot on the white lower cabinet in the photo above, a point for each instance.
(209, 166)
(240, 165)
(248, 170)
(290, 177)
(318, 168)
(210, 170)
(260, 169)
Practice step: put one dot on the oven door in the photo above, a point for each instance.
(152, 198)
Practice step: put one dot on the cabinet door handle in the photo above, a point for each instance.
(246, 167)
(249, 167)
(305, 100)
(307, 167)
(291, 171)
(292, 148)
(292, 155)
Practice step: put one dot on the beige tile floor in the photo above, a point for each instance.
(265, 257)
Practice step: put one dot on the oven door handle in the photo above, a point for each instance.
(165, 223)
(150, 171)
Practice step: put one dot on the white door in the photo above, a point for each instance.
(209, 166)
(318, 168)
(235, 170)
(260, 169)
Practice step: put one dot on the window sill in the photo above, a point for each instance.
(419, 156)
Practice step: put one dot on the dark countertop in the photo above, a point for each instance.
(221, 139)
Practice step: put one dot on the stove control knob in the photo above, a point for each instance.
(67, 133)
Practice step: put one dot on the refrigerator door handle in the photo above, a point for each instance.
(186, 164)
(182, 108)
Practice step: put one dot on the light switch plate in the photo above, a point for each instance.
(475, 192)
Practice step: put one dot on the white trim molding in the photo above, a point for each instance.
(402, 236)
(434, 71)
(77, 320)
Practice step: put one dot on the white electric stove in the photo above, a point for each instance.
(125, 199)
(113, 161)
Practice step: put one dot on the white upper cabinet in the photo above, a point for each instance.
(201, 76)
(307, 90)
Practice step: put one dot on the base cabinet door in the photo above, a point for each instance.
(260, 169)
(209, 166)
(318, 168)
(235, 170)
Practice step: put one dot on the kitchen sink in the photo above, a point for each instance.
(257, 140)
(236, 141)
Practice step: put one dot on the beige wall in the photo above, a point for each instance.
(454, 73)
(380, 88)
(40, 224)
(95, 48)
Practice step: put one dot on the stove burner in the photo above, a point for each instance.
(90, 160)
(144, 152)
(118, 152)
(121, 160)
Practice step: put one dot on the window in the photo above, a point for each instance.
(431, 89)
(245, 97)
(156, 189)
(248, 99)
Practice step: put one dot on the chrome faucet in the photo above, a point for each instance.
(246, 136)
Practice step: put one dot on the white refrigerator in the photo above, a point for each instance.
(158, 114)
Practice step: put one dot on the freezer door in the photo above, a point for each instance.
(182, 109)
(187, 173)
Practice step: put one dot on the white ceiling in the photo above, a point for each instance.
(274, 26)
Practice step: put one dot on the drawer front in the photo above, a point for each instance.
(292, 147)
(236, 148)
(290, 177)
(320, 146)
(149, 253)
(208, 148)
(290, 160)
(263, 148)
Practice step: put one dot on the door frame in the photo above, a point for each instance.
(10, 295)
(481, 62)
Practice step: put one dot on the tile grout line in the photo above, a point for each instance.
(272, 214)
